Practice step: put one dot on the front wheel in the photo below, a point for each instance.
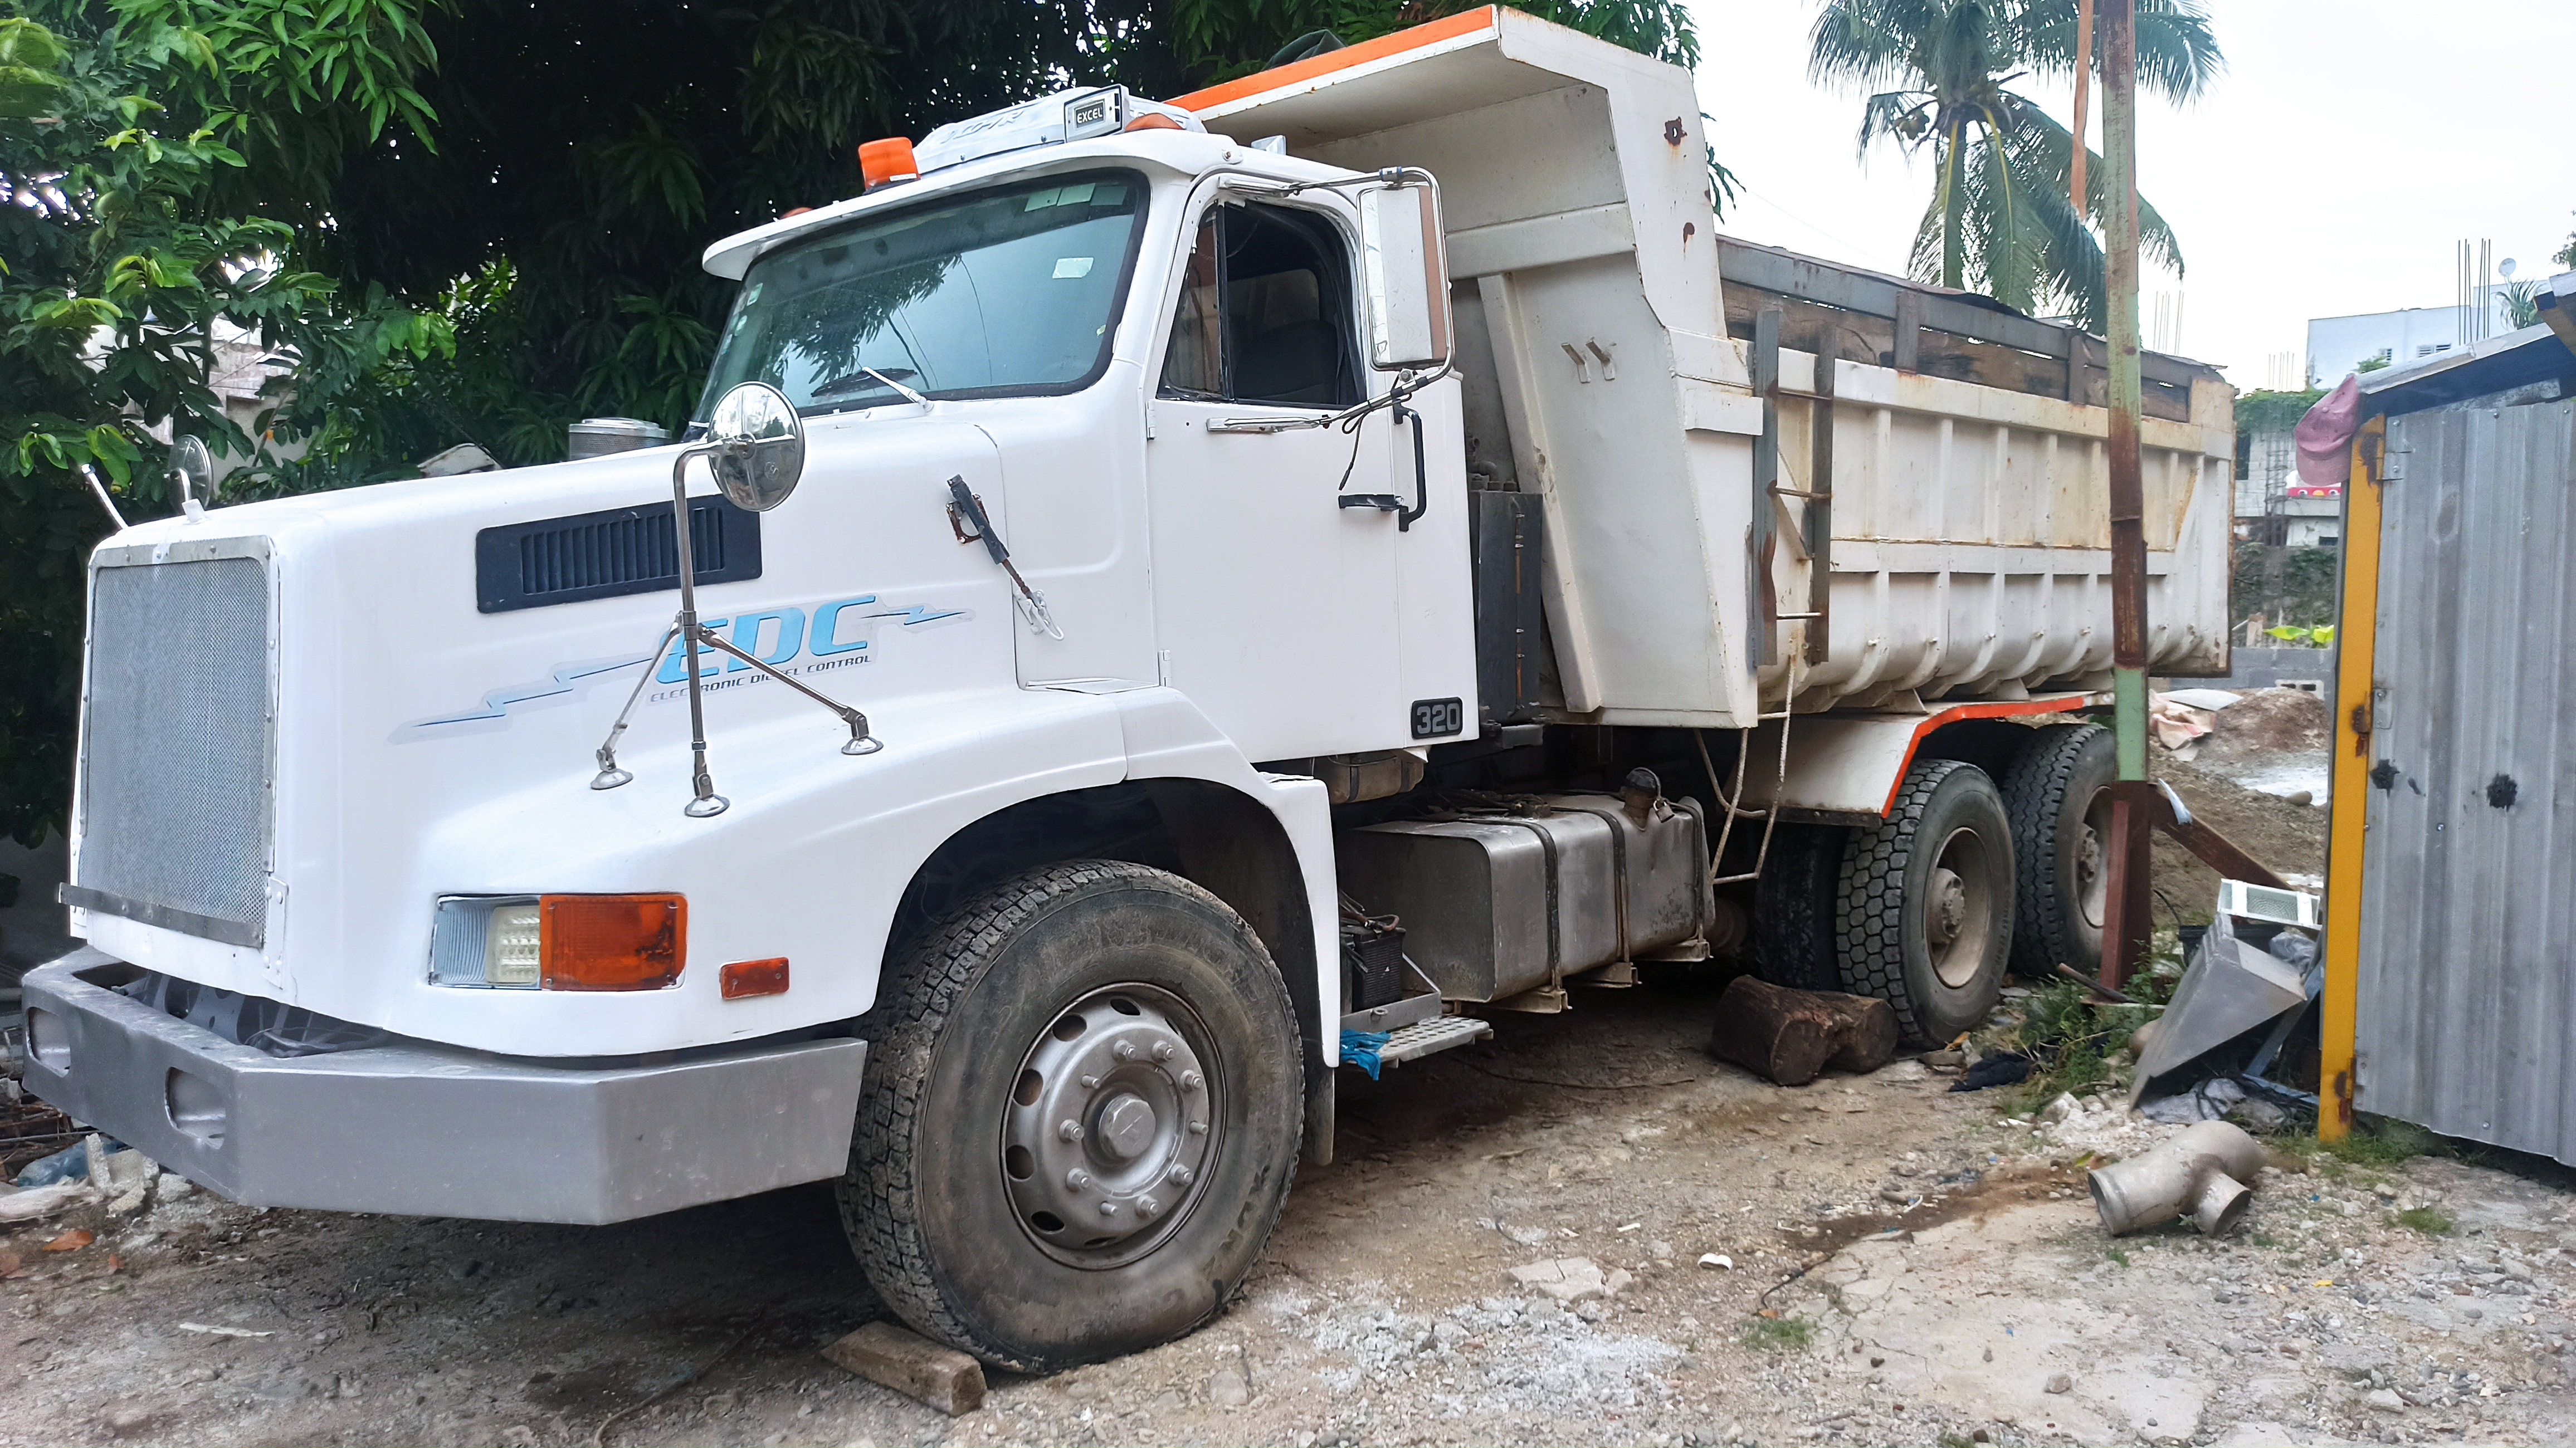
(1084, 1093)
(1925, 917)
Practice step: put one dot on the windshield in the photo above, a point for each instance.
(999, 292)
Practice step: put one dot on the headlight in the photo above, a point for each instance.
(559, 942)
(510, 940)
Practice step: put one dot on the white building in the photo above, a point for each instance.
(2337, 346)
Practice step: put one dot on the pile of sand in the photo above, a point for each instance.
(2266, 724)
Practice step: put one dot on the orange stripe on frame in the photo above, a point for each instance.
(1429, 33)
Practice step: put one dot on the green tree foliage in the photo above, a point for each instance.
(122, 253)
(591, 150)
(1935, 74)
(1221, 39)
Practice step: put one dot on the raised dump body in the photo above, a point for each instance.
(1615, 363)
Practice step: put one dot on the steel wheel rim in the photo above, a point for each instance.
(1958, 913)
(2092, 863)
(1115, 1115)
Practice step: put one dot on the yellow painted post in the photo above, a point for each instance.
(2356, 634)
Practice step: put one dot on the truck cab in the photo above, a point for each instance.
(1171, 598)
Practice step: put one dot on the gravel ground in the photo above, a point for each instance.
(1955, 1285)
(1513, 1246)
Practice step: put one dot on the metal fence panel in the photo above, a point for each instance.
(2469, 865)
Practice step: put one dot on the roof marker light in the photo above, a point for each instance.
(885, 162)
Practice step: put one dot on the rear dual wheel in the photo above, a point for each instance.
(2058, 793)
(1082, 1112)
(1924, 914)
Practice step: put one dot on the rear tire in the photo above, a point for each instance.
(1925, 916)
(1793, 908)
(1145, 1014)
(2058, 795)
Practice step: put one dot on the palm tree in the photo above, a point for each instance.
(2000, 218)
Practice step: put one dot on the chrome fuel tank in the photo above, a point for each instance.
(1502, 902)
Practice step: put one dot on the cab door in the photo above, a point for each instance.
(1279, 608)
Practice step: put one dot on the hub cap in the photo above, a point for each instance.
(1110, 1126)
(2092, 873)
(1957, 915)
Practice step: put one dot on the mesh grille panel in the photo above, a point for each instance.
(174, 775)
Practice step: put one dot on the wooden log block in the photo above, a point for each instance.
(1781, 1035)
(1788, 1036)
(1868, 1032)
(883, 1352)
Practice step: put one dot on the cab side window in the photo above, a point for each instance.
(1265, 312)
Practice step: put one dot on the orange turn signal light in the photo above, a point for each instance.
(887, 160)
(1154, 121)
(745, 978)
(612, 942)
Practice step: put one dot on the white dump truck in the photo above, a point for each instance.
(1171, 599)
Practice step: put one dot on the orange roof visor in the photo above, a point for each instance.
(1450, 27)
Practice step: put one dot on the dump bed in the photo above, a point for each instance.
(1657, 386)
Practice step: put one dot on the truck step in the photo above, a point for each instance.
(1424, 1038)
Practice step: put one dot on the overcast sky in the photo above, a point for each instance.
(2331, 170)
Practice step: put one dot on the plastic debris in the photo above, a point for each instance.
(2003, 1068)
(1359, 1048)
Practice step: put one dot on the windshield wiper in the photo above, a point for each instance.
(866, 376)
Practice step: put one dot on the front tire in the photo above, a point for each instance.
(1081, 1118)
(1926, 911)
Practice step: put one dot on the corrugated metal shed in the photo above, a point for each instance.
(2465, 960)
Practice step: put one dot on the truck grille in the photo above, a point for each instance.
(179, 727)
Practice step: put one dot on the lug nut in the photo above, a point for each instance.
(1191, 1081)
(1069, 1130)
(1198, 1128)
(1109, 1209)
(1090, 1083)
(1077, 1179)
(1162, 1050)
(1178, 1176)
(1147, 1206)
(1124, 1050)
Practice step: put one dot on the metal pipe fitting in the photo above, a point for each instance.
(2200, 1173)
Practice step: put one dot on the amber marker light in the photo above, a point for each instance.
(612, 942)
(888, 160)
(744, 979)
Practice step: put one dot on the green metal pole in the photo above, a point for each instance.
(2125, 940)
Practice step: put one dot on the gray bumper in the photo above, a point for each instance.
(427, 1130)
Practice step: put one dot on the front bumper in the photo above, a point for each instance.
(416, 1128)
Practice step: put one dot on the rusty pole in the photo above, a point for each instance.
(2083, 94)
(2128, 924)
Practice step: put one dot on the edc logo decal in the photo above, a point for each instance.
(835, 635)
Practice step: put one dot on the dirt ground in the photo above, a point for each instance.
(2291, 838)
(1937, 1269)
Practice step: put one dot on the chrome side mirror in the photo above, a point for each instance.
(192, 471)
(1405, 273)
(756, 444)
